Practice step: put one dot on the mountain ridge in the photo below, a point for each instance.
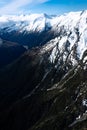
(33, 29)
(32, 19)
(46, 88)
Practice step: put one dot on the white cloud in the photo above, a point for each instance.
(16, 6)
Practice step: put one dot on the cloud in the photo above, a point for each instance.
(16, 6)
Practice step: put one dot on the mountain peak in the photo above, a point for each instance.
(71, 27)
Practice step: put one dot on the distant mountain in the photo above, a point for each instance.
(68, 31)
(37, 29)
(31, 30)
(21, 23)
(46, 88)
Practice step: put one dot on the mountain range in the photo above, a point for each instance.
(46, 86)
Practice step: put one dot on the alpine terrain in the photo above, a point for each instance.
(45, 88)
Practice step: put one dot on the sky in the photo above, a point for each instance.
(57, 7)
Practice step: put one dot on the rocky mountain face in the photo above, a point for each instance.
(46, 88)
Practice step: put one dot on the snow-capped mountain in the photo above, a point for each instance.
(40, 28)
(31, 30)
(70, 42)
(64, 35)
(46, 88)
(40, 22)
(32, 22)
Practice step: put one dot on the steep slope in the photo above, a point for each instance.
(46, 87)
(9, 52)
(53, 104)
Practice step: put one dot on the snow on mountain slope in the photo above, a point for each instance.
(32, 22)
(71, 40)
(70, 31)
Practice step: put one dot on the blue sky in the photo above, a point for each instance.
(41, 6)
